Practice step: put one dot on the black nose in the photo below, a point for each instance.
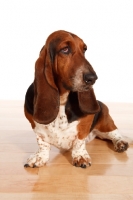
(90, 78)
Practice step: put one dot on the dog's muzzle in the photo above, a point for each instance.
(89, 79)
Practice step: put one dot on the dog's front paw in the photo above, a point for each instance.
(81, 161)
(38, 159)
(121, 146)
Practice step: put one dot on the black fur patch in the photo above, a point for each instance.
(29, 99)
(72, 108)
(52, 48)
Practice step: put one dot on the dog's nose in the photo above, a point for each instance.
(90, 78)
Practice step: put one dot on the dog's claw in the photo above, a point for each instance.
(34, 166)
(75, 164)
(26, 165)
(83, 166)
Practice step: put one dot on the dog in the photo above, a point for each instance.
(61, 105)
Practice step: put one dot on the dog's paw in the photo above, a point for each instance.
(81, 158)
(121, 146)
(81, 161)
(37, 160)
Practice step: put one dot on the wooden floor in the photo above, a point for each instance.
(110, 177)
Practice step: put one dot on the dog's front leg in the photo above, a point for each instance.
(80, 155)
(39, 158)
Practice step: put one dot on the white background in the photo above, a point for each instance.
(106, 26)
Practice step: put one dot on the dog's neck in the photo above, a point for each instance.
(63, 98)
(63, 95)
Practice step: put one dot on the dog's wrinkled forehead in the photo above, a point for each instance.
(59, 39)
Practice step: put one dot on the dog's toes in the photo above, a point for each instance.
(121, 146)
(38, 159)
(81, 162)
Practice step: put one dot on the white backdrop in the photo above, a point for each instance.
(106, 26)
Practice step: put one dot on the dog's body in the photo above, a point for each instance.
(61, 105)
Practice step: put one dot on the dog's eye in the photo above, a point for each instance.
(65, 50)
(84, 50)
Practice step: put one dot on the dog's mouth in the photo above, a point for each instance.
(86, 88)
(82, 88)
(78, 87)
(84, 82)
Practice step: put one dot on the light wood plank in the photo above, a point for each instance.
(65, 196)
(70, 184)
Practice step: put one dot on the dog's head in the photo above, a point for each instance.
(62, 67)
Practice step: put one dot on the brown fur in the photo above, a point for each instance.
(105, 122)
(84, 98)
(84, 126)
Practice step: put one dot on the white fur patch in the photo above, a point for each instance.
(59, 132)
(112, 135)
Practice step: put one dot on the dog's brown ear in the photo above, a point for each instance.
(87, 102)
(46, 99)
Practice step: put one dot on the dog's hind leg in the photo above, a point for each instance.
(120, 144)
(106, 129)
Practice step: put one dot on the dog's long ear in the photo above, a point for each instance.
(46, 99)
(87, 102)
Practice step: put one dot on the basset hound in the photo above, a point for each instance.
(61, 105)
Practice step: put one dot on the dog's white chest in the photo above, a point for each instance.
(59, 132)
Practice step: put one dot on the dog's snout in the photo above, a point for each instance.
(90, 78)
